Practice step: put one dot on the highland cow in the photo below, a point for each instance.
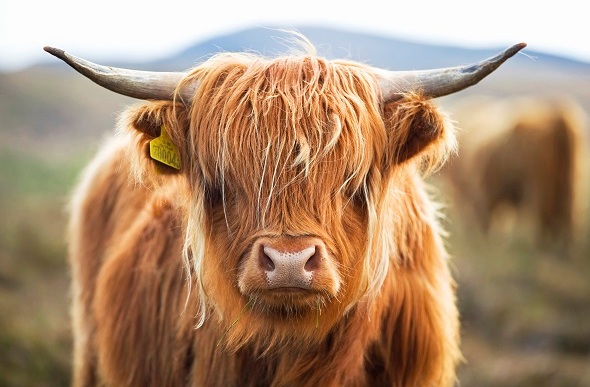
(279, 235)
(520, 155)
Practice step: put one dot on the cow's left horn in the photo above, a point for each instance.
(132, 83)
(440, 82)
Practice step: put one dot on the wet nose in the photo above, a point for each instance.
(289, 268)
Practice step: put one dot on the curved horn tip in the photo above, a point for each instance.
(54, 51)
(514, 49)
(500, 58)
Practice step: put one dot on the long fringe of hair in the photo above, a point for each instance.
(241, 101)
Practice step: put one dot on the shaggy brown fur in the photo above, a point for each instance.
(522, 154)
(272, 149)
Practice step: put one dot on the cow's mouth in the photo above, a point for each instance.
(291, 290)
(287, 302)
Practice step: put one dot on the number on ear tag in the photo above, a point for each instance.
(164, 150)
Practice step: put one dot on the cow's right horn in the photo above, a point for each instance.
(440, 82)
(132, 83)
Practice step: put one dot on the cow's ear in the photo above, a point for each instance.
(416, 127)
(148, 118)
(169, 150)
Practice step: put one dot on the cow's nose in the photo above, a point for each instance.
(277, 265)
(287, 268)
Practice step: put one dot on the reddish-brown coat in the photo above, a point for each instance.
(349, 176)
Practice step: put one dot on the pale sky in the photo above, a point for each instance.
(102, 30)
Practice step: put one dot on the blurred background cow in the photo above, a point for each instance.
(521, 165)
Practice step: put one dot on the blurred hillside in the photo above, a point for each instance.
(381, 51)
(525, 312)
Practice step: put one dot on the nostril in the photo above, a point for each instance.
(313, 263)
(266, 262)
(289, 262)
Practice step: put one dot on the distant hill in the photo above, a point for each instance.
(381, 51)
(376, 50)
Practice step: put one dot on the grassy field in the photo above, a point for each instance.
(525, 312)
(35, 342)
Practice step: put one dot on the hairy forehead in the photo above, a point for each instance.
(295, 75)
(299, 113)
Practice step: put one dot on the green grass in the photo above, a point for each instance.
(29, 175)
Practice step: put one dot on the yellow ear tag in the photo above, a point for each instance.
(164, 150)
